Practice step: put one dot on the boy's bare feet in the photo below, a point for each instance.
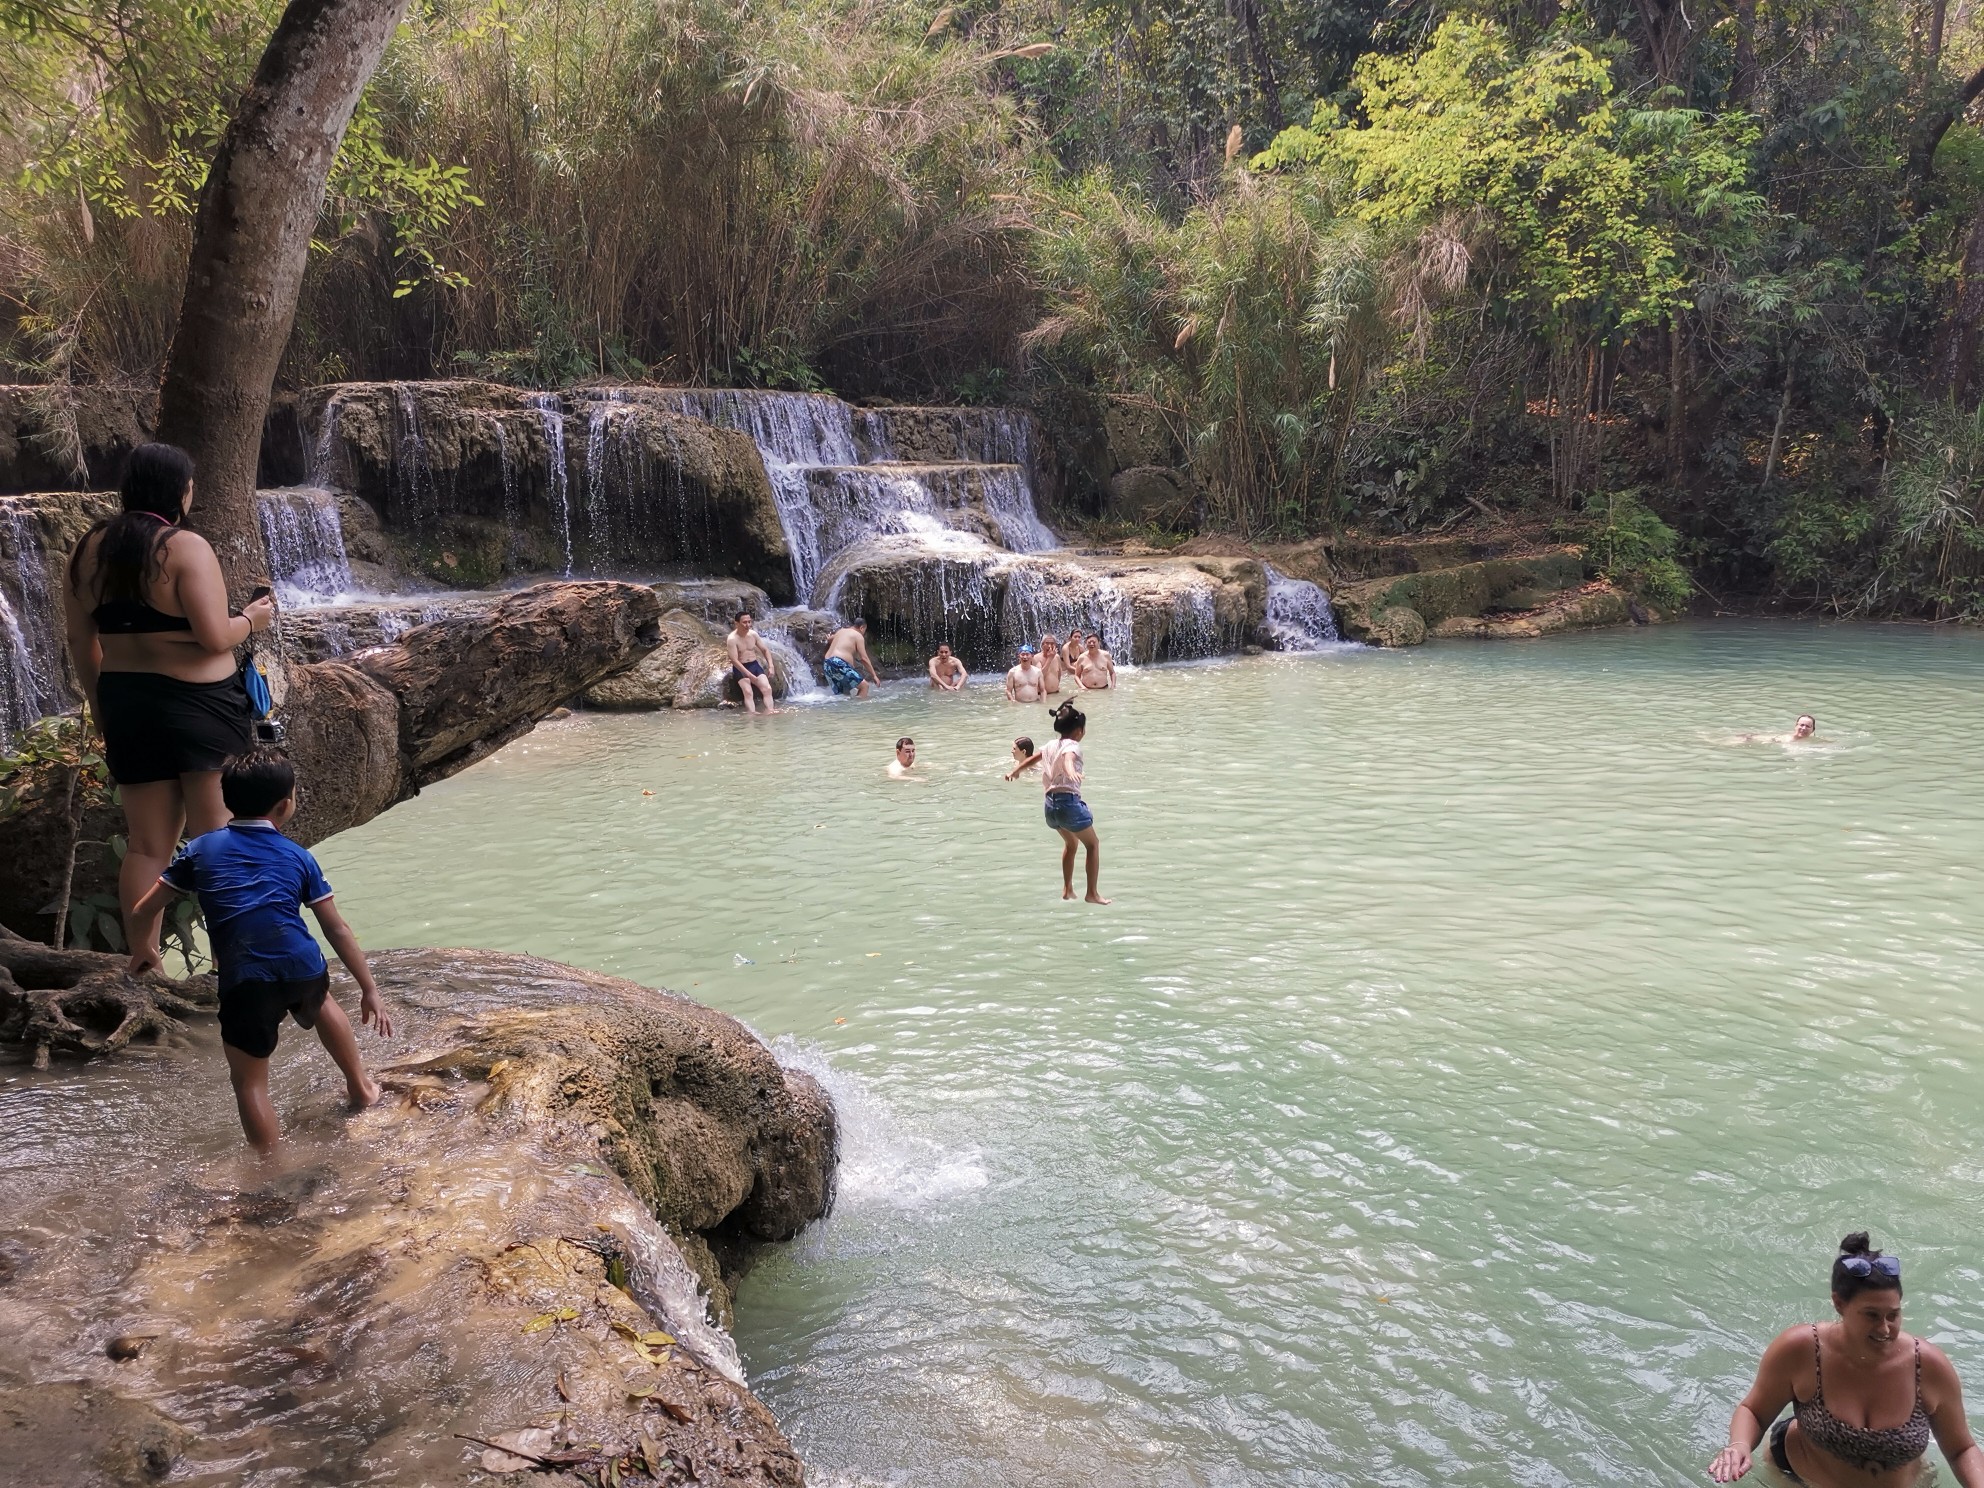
(1093, 899)
(1068, 892)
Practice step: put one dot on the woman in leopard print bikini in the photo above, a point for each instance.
(1840, 1378)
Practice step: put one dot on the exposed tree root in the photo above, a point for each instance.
(83, 1005)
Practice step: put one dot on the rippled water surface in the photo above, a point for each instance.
(1476, 1068)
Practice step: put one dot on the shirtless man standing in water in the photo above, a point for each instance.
(946, 671)
(1097, 668)
(1023, 681)
(751, 665)
(847, 659)
(1050, 664)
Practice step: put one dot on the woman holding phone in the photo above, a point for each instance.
(153, 646)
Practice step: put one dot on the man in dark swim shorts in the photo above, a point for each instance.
(751, 666)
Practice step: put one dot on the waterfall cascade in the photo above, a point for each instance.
(839, 477)
(34, 680)
(558, 476)
(1299, 616)
(305, 541)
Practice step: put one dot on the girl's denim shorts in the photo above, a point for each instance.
(1066, 810)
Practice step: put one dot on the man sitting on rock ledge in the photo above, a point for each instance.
(751, 664)
(847, 658)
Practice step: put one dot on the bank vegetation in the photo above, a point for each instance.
(1699, 285)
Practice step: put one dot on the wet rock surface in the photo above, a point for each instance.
(478, 1276)
(475, 481)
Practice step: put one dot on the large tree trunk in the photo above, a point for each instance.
(1743, 81)
(251, 240)
(1954, 367)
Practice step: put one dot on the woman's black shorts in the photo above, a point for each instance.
(156, 727)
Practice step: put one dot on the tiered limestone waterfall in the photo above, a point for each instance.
(923, 520)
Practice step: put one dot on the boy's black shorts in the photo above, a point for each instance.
(251, 1013)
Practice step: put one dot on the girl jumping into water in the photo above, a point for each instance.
(1067, 813)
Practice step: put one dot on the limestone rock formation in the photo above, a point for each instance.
(58, 437)
(474, 481)
(652, 682)
(715, 602)
(369, 732)
(980, 601)
(1160, 496)
(1436, 595)
(517, 1263)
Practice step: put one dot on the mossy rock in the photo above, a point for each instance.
(1399, 625)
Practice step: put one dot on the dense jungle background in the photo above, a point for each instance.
(1700, 284)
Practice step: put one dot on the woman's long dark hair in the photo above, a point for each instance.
(131, 545)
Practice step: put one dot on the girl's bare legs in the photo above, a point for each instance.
(1089, 840)
(1068, 840)
(153, 815)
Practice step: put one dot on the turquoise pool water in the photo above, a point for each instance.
(1478, 1065)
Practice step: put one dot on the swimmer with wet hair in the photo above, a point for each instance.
(1805, 728)
(903, 766)
(1024, 758)
(1067, 812)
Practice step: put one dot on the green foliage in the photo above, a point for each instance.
(1599, 206)
(1631, 546)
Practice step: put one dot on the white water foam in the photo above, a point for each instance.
(33, 682)
(558, 478)
(1299, 616)
(882, 1165)
(305, 542)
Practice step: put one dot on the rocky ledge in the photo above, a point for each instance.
(520, 1262)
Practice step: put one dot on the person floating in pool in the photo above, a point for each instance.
(1024, 758)
(1023, 679)
(751, 666)
(1096, 670)
(947, 672)
(1067, 812)
(1803, 729)
(903, 766)
(1865, 1397)
(847, 658)
(252, 883)
(1050, 665)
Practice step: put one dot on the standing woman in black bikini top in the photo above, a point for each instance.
(1865, 1397)
(153, 646)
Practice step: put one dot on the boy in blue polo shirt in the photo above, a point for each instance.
(252, 882)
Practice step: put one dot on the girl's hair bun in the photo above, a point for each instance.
(1857, 1243)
